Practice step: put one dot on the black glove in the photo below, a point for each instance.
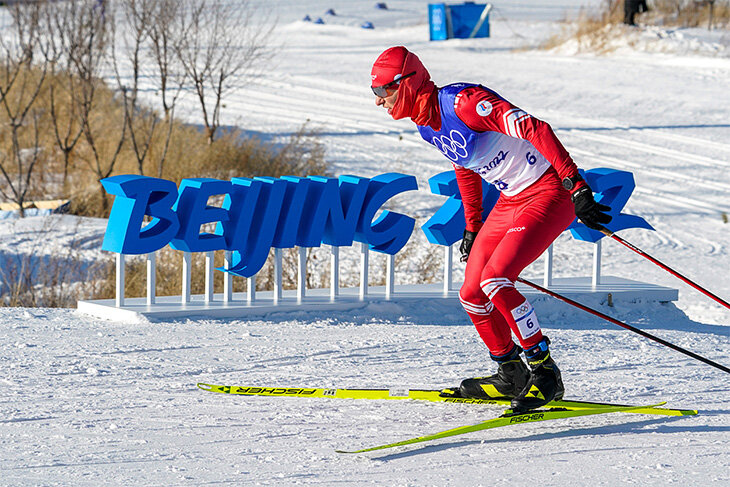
(589, 212)
(466, 244)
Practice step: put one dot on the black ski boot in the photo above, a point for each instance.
(545, 383)
(508, 382)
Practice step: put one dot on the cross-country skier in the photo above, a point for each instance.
(485, 136)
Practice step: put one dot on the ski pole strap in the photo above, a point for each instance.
(625, 325)
(676, 274)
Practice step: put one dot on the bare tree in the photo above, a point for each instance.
(89, 30)
(79, 33)
(60, 24)
(166, 41)
(167, 73)
(224, 43)
(21, 80)
(137, 16)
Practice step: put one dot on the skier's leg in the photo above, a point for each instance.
(512, 374)
(532, 231)
(493, 329)
(534, 228)
(490, 324)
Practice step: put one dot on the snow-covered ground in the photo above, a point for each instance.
(87, 402)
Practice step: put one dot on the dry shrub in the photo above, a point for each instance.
(591, 28)
(168, 277)
(190, 156)
(31, 133)
(176, 150)
(412, 266)
(592, 32)
(416, 266)
(596, 30)
(235, 155)
(688, 13)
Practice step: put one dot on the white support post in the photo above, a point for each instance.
(547, 279)
(364, 249)
(334, 272)
(278, 286)
(209, 267)
(597, 264)
(251, 289)
(187, 269)
(227, 277)
(151, 278)
(301, 274)
(119, 300)
(448, 269)
(389, 276)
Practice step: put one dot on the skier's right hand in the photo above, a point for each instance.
(466, 243)
(592, 214)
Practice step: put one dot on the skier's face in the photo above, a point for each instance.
(388, 101)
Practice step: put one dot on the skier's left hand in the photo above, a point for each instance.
(466, 243)
(591, 214)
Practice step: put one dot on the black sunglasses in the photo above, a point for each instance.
(382, 91)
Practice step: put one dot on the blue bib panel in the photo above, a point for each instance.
(457, 141)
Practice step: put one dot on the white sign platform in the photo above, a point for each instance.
(610, 290)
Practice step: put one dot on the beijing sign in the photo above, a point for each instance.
(260, 213)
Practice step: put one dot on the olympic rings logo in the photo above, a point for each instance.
(453, 147)
(523, 309)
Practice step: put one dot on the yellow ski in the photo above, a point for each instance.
(509, 419)
(419, 394)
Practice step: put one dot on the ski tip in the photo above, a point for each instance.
(205, 387)
(355, 452)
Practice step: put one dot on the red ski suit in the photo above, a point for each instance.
(519, 228)
(523, 158)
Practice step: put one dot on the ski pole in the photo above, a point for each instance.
(627, 326)
(609, 233)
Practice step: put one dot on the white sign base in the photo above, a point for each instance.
(173, 307)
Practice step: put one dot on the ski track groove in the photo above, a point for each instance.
(715, 247)
(604, 125)
(668, 199)
(663, 173)
(299, 100)
(703, 143)
(652, 149)
(680, 201)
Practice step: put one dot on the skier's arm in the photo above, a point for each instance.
(470, 188)
(483, 110)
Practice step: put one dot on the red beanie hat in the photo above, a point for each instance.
(388, 65)
(417, 95)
